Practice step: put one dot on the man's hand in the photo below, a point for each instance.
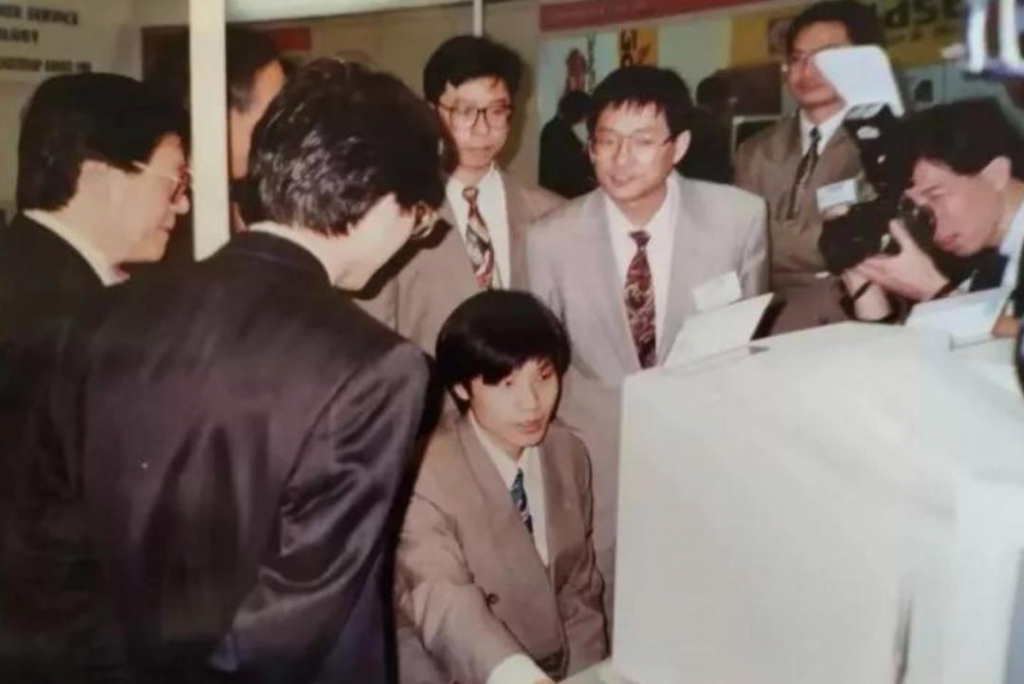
(911, 273)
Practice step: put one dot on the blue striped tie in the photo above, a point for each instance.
(519, 501)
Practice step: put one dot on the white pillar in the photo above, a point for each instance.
(208, 101)
(478, 17)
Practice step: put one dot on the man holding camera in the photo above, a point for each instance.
(965, 167)
(787, 163)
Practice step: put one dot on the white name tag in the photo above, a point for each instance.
(835, 194)
(720, 291)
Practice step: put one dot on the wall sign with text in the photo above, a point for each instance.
(43, 38)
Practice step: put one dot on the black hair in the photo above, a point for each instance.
(964, 136)
(247, 52)
(495, 332)
(91, 116)
(338, 138)
(860, 21)
(464, 58)
(713, 91)
(574, 105)
(640, 86)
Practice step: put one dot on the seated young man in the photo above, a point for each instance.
(496, 580)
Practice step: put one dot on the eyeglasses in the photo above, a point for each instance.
(465, 116)
(426, 221)
(643, 146)
(182, 181)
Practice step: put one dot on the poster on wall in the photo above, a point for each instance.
(42, 39)
(638, 46)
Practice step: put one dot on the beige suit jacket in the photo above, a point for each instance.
(571, 267)
(423, 284)
(471, 588)
(766, 165)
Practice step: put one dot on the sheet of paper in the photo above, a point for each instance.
(717, 331)
(968, 318)
(720, 291)
(862, 75)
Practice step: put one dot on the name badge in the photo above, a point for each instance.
(835, 194)
(720, 291)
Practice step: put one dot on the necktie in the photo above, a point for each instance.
(639, 296)
(803, 173)
(478, 243)
(519, 501)
(988, 270)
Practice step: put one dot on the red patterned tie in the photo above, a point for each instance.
(478, 243)
(639, 294)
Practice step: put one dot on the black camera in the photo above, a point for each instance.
(863, 231)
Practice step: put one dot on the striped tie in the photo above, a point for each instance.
(478, 243)
(519, 501)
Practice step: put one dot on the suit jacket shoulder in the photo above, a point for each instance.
(535, 200)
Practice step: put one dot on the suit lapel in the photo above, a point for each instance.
(458, 267)
(555, 499)
(603, 281)
(518, 219)
(685, 251)
(503, 520)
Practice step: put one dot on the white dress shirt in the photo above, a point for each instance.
(662, 229)
(519, 668)
(491, 202)
(108, 273)
(826, 129)
(1011, 246)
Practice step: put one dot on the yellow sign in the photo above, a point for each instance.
(916, 31)
(638, 46)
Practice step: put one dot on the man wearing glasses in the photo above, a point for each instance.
(626, 264)
(101, 183)
(787, 163)
(471, 82)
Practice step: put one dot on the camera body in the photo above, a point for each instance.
(863, 231)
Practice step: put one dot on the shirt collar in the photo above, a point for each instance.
(455, 186)
(826, 128)
(108, 273)
(1012, 242)
(507, 468)
(660, 223)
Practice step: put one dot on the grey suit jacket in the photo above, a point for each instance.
(766, 165)
(571, 267)
(472, 589)
(424, 283)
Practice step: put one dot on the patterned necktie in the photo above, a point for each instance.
(519, 501)
(640, 301)
(478, 243)
(803, 173)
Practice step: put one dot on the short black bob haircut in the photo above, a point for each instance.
(464, 58)
(495, 332)
(860, 21)
(337, 139)
(89, 117)
(639, 86)
(964, 136)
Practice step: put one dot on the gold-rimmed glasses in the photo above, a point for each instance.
(181, 180)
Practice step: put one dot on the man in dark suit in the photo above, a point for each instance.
(100, 183)
(565, 167)
(237, 432)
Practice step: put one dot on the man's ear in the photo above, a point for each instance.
(95, 178)
(682, 145)
(461, 391)
(998, 172)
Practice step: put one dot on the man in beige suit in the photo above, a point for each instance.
(625, 265)
(471, 82)
(496, 580)
(781, 165)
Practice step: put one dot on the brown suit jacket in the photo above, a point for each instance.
(424, 283)
(766, 165)
(472, 589)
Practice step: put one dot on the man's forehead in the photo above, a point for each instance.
(930, 173)
(480, 89)
(632, 116)
(821, 34)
